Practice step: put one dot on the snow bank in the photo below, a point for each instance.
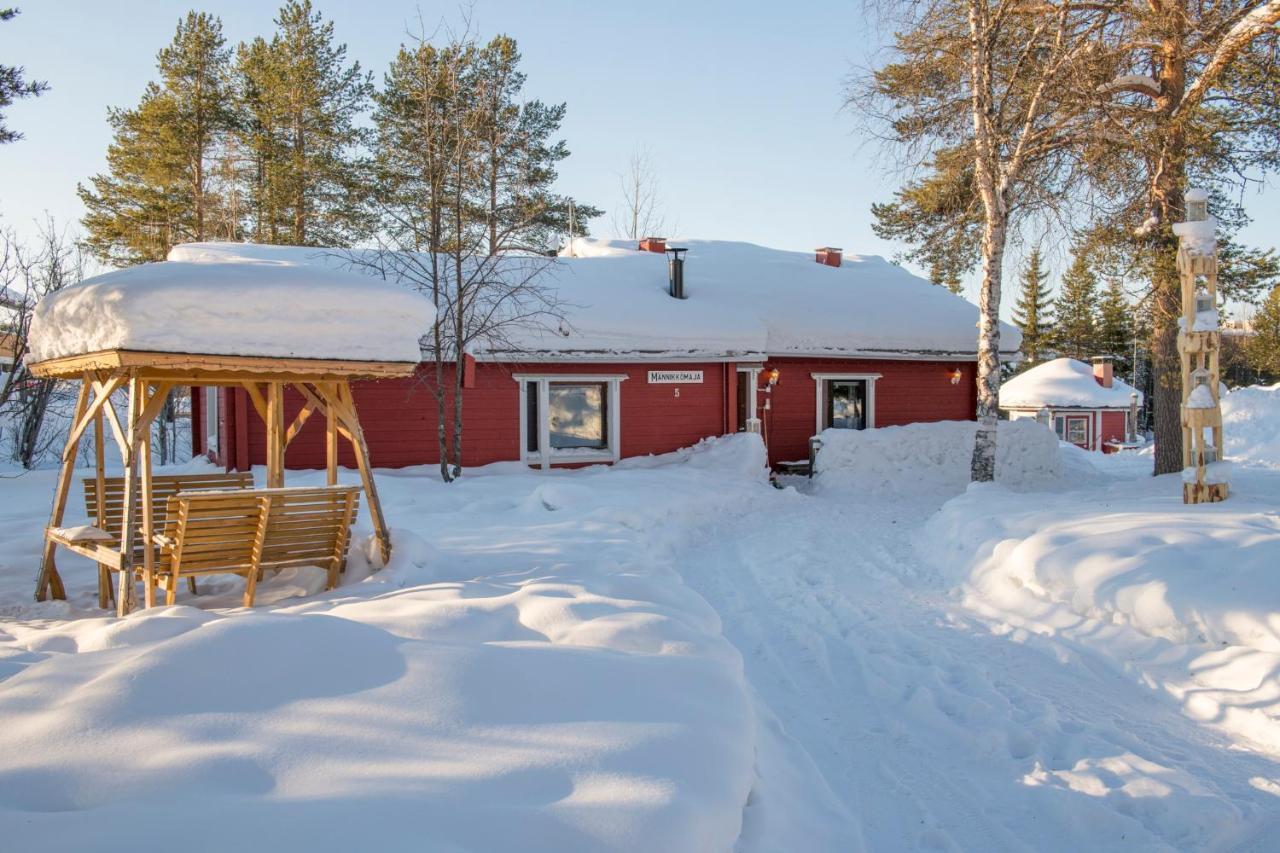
(933, 458)
(245, 307)
(1063, 382)
(528, 673)
(1184, 595)
(743, 299)
(1251, 424)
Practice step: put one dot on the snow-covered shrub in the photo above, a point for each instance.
(933, 458)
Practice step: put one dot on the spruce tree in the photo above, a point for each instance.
(1076, 311)
(14, 86)
(300, 103)
(1033, 310)
(1115, 326)
(156, 191)
(1263, 348)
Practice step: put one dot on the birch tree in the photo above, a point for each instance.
(988, 92)
(640, 211)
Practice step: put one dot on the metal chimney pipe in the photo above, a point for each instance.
(675, 271)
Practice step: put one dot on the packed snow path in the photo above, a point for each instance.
(939, 731)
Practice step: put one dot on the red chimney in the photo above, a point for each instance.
(829, 255)
(654, 244)
(1103, 370)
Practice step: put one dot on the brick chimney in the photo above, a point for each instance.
(654, 244)
(1103, 370)
(829, 255)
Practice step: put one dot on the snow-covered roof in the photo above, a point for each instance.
(275, 308)
(743, 300)
(1064, 382)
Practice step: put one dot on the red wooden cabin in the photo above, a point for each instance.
(1087, 406)
(763, 340)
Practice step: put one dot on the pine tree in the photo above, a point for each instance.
(1076, 311)
(156, 191)
(1115, 326)
(14, 86)
(1263, 348)
(1032, 312)
(300, 102)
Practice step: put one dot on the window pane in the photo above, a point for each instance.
(1060, 427)
(1077, 430)
(577, 415)
(847, 409)
(531, 417)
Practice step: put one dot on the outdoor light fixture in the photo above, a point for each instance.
(956, 376)
(772, 376)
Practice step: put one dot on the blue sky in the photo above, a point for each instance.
(738, 103)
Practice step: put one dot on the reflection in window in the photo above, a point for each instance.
(577, 415)
(846, 404)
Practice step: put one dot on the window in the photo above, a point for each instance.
(1072, 428)
(569, 418)
(845, 401)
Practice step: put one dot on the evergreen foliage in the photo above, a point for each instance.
(1033, 310)
(1115, 327)
(14, 86)
(1263, 348)
(157, 190)
(301, 103)
(1076, 310)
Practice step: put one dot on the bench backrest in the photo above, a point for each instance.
(211, 531)
(309, 526)
(163, 487)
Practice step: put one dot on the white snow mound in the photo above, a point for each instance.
(934, 458)
(244, 307)
(1251, 424)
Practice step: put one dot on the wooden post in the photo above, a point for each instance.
(330, 446)
(275, 435)
(100, 510)
(125, 590)
(48, 581)
(339, 397)
(142, 439)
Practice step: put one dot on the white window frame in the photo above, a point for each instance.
(753, 395)
(819, 410)
(212, 447)
(546, 456)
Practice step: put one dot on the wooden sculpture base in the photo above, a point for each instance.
(1203, 493)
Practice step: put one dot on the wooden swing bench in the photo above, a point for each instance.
(218, 524)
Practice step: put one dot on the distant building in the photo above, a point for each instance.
(1086, 406)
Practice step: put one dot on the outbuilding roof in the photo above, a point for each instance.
(1066, 383)
(743, 300)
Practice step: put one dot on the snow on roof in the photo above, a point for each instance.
(743, 299)
(1063, 382)
(277, 308)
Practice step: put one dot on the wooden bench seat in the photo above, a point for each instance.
(244, 531)
(107, 513)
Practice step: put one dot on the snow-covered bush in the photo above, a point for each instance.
(933, 458)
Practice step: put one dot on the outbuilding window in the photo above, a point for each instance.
(565, 419)
(845, 401)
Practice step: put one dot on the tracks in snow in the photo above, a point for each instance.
(935, 731)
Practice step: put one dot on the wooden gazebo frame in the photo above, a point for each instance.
(146, 378)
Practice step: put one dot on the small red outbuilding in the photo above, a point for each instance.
(783, 343)
(1087, 406)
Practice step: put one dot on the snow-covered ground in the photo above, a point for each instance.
(672, 655)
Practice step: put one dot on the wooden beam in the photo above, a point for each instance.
(125, 588)
(48, 581)
(298, 423)
(343, 401)
(142, 440)
(275, 435)
(330, 446)
(100, 510)
(255, 397)
(213, 369)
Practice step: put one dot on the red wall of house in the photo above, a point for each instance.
(1113, 428)
(399, 416)
(907, 392)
